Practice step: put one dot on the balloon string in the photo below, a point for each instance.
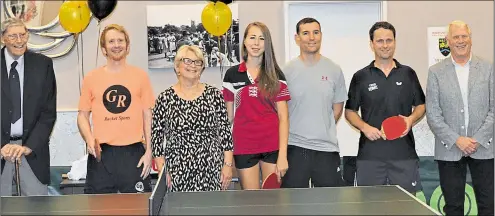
(220, 57)
(80, 17)
(217, 17)
(97, 46)
(80, 69)
(82, 55)
(76, 37)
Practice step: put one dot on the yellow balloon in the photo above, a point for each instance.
(216, 18)
(74, 16)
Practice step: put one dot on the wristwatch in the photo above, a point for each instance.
(227, 164)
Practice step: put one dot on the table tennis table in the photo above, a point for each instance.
(383, 200)
(107, 204)
(364, 200)
(379, 200)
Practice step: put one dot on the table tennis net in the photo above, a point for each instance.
(159, 194)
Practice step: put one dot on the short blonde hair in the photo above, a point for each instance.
(183, 50)
(12, 22)
(116, 27)
(458, 23)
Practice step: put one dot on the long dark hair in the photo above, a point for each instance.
(269, 70)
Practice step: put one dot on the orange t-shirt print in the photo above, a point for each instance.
(116, 102)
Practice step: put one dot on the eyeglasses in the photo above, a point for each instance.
(189, 61)
(13, 37)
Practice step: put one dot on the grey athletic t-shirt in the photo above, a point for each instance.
(314, 89)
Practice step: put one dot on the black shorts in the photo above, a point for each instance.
(249, 160)
(322, 168)
(117, 171)
(404, 173)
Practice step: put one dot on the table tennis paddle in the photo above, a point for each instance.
(393, 127)
(97, 151)
(271, 182)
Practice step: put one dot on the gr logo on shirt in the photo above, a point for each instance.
(117, 99)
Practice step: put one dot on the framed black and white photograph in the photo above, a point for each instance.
(171, 26)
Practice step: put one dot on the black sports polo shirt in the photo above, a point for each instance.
(380, 97)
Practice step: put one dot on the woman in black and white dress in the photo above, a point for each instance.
(193, 117)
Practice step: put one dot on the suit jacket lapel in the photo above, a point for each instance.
(473, 73)
(454, 81)
(5, 77)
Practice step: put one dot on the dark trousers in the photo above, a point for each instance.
(453, 181)
(323, 168)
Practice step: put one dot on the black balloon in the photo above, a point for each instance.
(101, 8)
(224, 1)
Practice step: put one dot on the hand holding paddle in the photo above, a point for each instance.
(281, 168)
(408, 125)
(395, 127)
(97, 149)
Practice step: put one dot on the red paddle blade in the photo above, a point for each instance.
(393, 127)
(271, 182)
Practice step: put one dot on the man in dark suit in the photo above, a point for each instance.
(28, 112)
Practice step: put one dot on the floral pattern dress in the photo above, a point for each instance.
(197, 133)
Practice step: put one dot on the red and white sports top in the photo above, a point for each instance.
(255, 128)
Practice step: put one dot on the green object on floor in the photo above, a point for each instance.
(437, 201)
(421, 196)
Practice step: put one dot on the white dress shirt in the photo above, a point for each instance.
(16, 128)
(462, 73)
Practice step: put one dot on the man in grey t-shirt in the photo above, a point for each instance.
(318, 92)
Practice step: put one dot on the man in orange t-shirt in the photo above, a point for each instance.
(120, 98)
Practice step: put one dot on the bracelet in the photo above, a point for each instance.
(227, 164)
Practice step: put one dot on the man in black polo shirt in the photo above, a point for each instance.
(383, 89)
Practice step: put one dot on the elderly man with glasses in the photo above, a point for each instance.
(29, 95)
